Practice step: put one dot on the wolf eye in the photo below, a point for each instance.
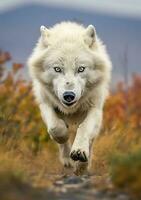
(57, 69)
(81, 69)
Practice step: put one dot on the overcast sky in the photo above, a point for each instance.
(129, 8)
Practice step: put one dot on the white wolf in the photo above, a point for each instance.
(71, 70)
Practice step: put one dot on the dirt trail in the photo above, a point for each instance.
(60, 187)
(84, 188)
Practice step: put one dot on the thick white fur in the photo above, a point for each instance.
(70, 45)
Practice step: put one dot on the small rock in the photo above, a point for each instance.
(73, 180)
(59, 183)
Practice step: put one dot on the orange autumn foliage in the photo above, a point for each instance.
(19, 115)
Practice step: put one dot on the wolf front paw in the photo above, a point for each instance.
(80, 155)
(59, 132)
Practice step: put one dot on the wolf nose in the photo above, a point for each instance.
(69, 96)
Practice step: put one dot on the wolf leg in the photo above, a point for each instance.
(86, 132)
(64, 151)
(57, 128)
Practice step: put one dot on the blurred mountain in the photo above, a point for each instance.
(19, 31)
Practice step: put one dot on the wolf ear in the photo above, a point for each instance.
(90, 35)
(44, 35)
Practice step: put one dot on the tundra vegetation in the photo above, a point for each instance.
(27, 154)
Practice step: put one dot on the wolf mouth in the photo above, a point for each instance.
(69, 103)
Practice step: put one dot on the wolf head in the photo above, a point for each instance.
(70, 61)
